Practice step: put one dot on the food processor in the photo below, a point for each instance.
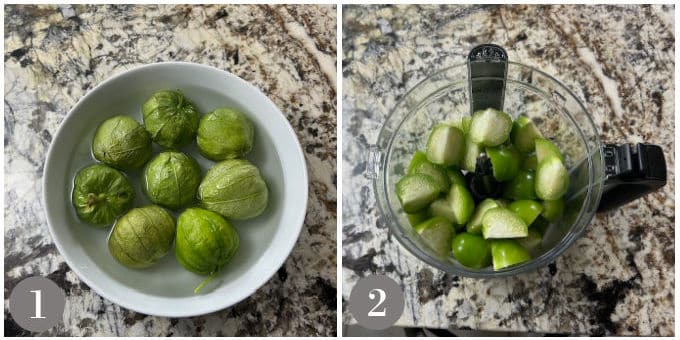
(602, 176)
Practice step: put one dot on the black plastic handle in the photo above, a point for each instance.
(631, 171)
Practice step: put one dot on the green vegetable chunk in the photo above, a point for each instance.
(142, 236)
(235, 189)
(225, 134)
(420, 165)
(419, 158)
(532, 242)
(552, 179)
(121, 143)
(171, 179)
(456, 122)
(457, 207)
(503, 223)
(524, 134)
(100, 194)
(552, 210)
(474, 226)
(455, 176)
(472, 151)
(465, 123)
(443, 208)
(503, 202)
(170, 118)
(504, 162)
(490, 127)
(528, 210)
(530, 162)
(506, 253)
(446, 145)
(471, 250)
(416, 192)
(436, 233)
(462, 202)
(205, 243)
(545, 149)
(521, 187)
(415, 218)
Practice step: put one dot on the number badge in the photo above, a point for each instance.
(37, 304)
(376, 302)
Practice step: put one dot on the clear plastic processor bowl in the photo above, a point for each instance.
(555, 110)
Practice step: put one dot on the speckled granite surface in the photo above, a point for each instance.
(54, 55)
(618, 278)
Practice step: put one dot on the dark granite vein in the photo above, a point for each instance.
(55, 54)
(618, 278)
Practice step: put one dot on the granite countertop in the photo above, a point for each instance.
(619, 277)
(55, 54)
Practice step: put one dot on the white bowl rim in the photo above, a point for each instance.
(199, 310)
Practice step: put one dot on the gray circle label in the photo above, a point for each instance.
(376, 302)
(37, 304)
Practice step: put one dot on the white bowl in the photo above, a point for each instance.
(166, 288)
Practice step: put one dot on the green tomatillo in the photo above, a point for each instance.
(471, 250)
(142, 236)
(170, 118)
(235, 189)
(225, 134)
(100, 194)
(171, 179)
(205, 243)
(121, 143)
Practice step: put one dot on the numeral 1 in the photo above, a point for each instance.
(38, 307)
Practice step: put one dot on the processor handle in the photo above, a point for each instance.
(631, 171)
